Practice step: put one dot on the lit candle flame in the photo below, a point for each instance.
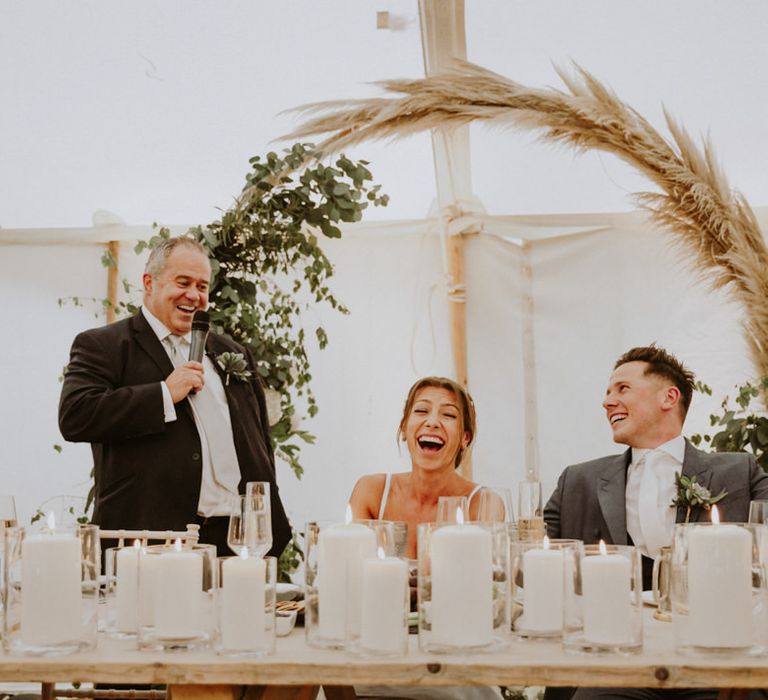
(380, 552)
(603, 548)
(177, 545)
(348, 515)
(51, 520)
(546, 542)
(244, 553)
(715, 515)
(459, 516)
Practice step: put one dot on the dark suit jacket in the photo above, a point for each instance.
(589, 501)
(148, 472)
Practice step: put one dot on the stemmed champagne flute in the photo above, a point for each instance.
(7, 513)
(758, 511)
(250, 522)
(530, 523)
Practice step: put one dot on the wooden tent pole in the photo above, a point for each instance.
(113, 273)
(443, 39)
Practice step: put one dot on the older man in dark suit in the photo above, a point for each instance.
(173, 441)
(627, 498)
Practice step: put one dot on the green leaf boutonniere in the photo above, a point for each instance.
(693, 495)
(234, 365)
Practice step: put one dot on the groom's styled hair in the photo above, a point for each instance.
(665, 365)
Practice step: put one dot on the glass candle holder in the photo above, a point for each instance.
(718, 592)
(121, 567)
(177, 587)
(603, 600)
(51, 590)
(538, 574)
(334, 555)
(384, 606)
(463, 587)
(246, 605)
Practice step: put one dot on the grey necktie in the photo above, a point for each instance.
(211, 420)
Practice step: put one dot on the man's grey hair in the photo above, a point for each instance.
(158, 258)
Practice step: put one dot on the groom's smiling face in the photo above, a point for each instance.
(636, 406)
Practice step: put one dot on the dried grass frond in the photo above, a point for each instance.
(712, 224)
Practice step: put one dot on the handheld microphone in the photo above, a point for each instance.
(200, 325)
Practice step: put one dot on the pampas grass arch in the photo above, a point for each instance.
(712, 224)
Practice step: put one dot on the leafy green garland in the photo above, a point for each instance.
(742, 429)
(269, 269)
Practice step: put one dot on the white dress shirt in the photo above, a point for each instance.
(651, 488)
(216, 494)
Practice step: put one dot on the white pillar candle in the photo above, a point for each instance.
(384, 604)
(178, 597)
(462, 585)
(606, 587)
(127, 591)
(543, 585)
(340, 553)
(51, 601)
(242, 603)
(720, 586)
(147, 587)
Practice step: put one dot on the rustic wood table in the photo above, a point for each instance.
(296, 671)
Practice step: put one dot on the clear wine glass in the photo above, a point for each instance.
(447, 507)
(495, 505)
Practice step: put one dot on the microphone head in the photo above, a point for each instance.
(201, 321)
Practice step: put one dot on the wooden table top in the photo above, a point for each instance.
(294, 663)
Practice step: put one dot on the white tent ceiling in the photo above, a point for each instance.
(151, 109)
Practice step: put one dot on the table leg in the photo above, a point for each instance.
(339, 692)
(238, 692)
(733, 694)
(204, 692)
(282, 692)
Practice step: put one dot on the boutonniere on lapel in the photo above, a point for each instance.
(233, 364)
(691, 494)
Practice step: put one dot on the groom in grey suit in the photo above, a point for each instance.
(626, 498)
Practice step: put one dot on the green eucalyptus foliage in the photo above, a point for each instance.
(740, 429)
(269, 270)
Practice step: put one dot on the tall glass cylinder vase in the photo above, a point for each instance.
(246, 605)
(334, 555)
(719, 595)
(51, 589)
(603, 600)
(539, 574)
(177, 592)
(463, 587)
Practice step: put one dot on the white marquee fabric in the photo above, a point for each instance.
(150, 110)
(594, 294)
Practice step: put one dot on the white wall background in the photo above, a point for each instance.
(595, 295)
(151, 110)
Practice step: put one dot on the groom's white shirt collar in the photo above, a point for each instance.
(675, 448)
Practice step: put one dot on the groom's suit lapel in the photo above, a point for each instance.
(611, 494)
(695, 464)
